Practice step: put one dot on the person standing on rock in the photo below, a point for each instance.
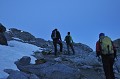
(69, 42)
(107, 51)
(56, 37)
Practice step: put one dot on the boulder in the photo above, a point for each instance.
(24, 61)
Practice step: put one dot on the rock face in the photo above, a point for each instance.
(23, 36)
(26, 36)
(3, 40)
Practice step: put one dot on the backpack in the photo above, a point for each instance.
(106, 45)
(54, 34)
(68, 39)
(2, 28)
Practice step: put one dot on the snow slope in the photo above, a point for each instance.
(15, 50)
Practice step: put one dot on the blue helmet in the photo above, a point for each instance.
(101, 34)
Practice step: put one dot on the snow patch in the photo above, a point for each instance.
(14, 51)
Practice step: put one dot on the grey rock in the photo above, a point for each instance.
(14, 74)
(25, 60)
(117, 44)
(26, 36)
(38, 55)
(51, 70)
(17, 75)
(58, 59)
(61, 71)
(23, 63)
(33, 76)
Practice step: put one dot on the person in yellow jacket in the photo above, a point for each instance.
(69, 42)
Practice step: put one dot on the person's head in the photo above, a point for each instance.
(55, 29)
(101, 35)
(68, 33)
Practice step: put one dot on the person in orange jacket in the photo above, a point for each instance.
(107, 58)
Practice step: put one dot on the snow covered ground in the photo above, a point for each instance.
(15, 50)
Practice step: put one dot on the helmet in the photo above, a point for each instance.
(101, 34)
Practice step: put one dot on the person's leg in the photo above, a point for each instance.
(61, 46)
(111, 61)
(55, 48)
(106, 67)
(68, 51)
(72, 48)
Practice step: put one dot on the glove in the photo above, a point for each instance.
(97, 54)
(99, 59)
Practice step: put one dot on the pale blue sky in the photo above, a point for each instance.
(85, 19)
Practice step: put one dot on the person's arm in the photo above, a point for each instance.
(65, 38)
(71, 39)
(98, 51)
(52, 35)
(59, 36)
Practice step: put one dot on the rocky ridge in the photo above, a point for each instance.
(83, 65)
(26, 37)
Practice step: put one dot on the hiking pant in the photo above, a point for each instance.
(68, 46)
(55, 46)
(108, 61)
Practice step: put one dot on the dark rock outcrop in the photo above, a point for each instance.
(3, 40)
(117, 44)
(15, 33)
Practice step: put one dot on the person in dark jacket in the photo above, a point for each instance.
(69, 42)
(56, 37)
(107, 58)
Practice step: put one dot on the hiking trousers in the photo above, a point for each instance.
(68, 46)
(55, 46)
(108, 61)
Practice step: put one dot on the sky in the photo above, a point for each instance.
(85, 19)
(13, 52)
